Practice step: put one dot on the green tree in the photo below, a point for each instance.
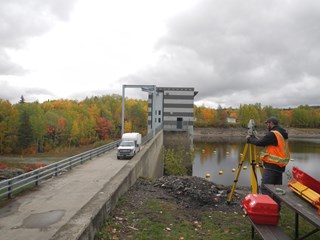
(25, 136)
(247, 112)
(219, 117)
(38, 126)
(302, 116)
(21, 100)
(138, 116)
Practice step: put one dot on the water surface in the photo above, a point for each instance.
(211, 158)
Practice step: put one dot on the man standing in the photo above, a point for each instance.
(276, 154)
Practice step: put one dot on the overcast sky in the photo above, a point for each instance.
(233, 52)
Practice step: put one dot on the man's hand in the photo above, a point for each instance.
(249, 138)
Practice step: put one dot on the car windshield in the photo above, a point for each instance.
(126, 143)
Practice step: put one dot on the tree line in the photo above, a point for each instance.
(27, 128)
(303, 116)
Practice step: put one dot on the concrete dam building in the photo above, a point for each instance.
(173, 109)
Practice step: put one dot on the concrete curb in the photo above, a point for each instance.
(90, 218)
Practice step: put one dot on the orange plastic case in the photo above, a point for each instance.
(261, 208)
(306, 179)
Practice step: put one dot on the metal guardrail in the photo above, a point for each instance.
(12, 185)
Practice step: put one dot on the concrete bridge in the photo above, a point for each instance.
(75, 204)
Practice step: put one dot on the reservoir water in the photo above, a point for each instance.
(211, 158)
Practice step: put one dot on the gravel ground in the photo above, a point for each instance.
(193, 192)
(190, 193)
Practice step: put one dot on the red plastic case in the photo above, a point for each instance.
(261, 208)
(306, 179)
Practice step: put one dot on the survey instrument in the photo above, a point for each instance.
(250, 153)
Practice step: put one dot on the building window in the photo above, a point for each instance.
(159, 112)
(179, 123)
(159, 120)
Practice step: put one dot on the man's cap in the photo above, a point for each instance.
(274, 120)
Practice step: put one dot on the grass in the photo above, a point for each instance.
(47, 157)
(160, 219)
(287, 223)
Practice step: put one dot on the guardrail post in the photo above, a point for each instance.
(56, 170)
(37, 177)
(70, 165)
(9, 189)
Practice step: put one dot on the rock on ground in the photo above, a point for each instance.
(187, 192)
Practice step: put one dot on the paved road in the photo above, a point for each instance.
(39, 214)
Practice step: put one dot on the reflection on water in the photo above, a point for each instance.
(210, 158)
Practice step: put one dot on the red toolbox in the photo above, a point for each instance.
(262, 209)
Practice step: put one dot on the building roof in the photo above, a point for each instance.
(162, 89)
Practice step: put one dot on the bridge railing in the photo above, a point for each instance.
(33, 178)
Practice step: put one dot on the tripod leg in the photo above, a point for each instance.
(260, 167)
(253, 173)
(238, 173)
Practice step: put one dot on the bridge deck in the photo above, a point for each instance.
(40, 213)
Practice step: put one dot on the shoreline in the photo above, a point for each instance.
(242, 132)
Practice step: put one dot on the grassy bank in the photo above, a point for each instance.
(148, 212)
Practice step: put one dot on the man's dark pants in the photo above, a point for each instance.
(270, 177)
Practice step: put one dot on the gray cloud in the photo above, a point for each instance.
(236, 52)
(232, 52)
(14, 93)
(7, 67)
(21, 20)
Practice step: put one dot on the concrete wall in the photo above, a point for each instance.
(147, 163)
(174, 139)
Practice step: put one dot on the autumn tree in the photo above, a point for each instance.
(285, 117)
(138, 115)
(220, 116)
(25, 136)
(247, 112)
(303, 117)
(103, 128)
(204, 117)
(8, 127)
(38, 126)
(66, 123)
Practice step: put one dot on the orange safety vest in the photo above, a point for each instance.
(279, 155)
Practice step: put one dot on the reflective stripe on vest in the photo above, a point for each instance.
(280, 154)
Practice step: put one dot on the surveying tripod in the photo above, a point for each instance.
(251, 150)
